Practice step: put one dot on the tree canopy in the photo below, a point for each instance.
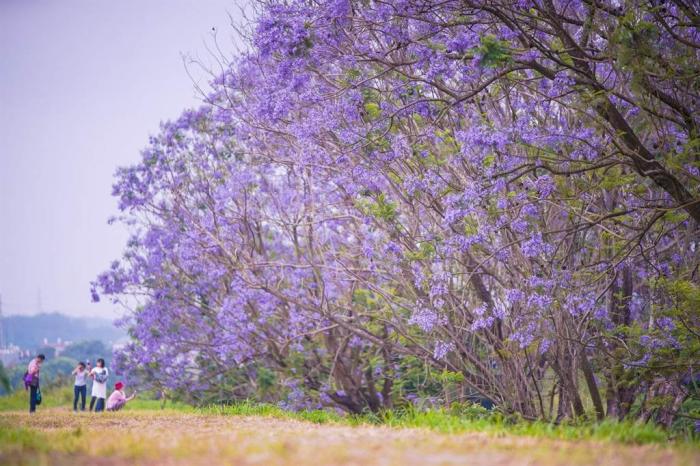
(503, 196)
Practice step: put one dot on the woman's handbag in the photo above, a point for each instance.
(101, 377)
(30, 380)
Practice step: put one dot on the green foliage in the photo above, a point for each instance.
(383, 209)
(636, 40)
(614, 179)
(679, 321)
(493, 52)
(5, 384)
(364, 297)
(352, 74)
(372, 110)
(88, 350)
(449, 377)
(57, 368)
(418, 381)
(267, 380)
(426, 250)
(690, 413)
(379, 207)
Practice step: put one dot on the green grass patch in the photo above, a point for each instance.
(478, 420)
(494, 423)
(144, 404)
(51, 397)
(21, 439)
(250, 408)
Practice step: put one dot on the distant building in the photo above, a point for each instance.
(59, 346)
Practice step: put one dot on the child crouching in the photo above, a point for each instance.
(118, 399)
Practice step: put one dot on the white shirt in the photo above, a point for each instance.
(80, 378)
(99, 390)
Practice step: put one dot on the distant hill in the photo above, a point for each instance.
(28, 332)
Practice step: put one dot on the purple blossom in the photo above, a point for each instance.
(442, 349)
(425, 318)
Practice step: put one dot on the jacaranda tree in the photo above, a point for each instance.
(502, 195)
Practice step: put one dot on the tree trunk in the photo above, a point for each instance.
(667, 412)
(592, 386)
(620, 397)
(564, 407)
(567, 386)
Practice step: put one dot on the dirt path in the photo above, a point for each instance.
(169, 438)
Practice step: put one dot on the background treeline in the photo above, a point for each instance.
(29, 332)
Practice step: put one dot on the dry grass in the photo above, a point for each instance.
(58, 437)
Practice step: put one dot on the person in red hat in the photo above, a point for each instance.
(118, 398)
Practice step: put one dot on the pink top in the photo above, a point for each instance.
(114, 398)
(33, 368)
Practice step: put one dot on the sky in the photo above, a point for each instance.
(83, 83)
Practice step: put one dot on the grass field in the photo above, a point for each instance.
(265, 435)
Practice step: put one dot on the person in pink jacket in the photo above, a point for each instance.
(31, 381)
(118, 399)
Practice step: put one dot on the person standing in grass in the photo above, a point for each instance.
(80, 387)
(99, 375)
(118, 398)
(31, 381)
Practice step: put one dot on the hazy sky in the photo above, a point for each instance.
(82, 85)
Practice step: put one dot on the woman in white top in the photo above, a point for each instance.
(80, 387)
(99, 376)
